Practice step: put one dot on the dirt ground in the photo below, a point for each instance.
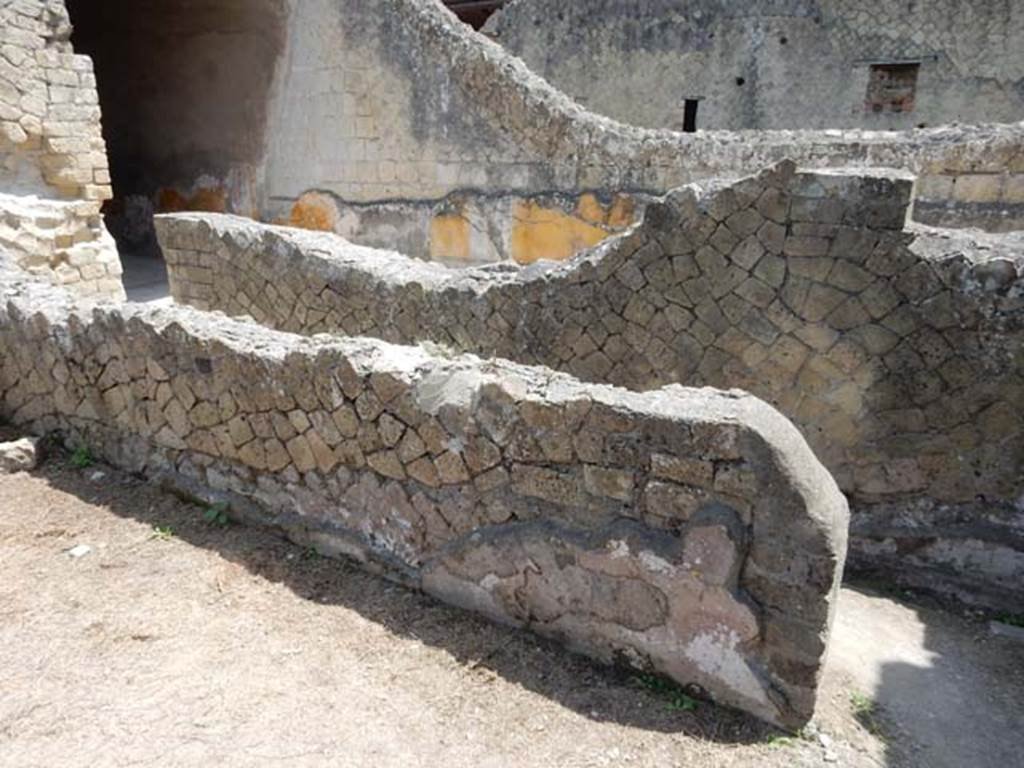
(176, 642)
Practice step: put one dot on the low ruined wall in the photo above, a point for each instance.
(897, 352)
(690, 532)
(53, 162)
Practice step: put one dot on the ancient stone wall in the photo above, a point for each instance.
(480, 120)
(898, 352)
(52, 152)
(757, 64)
(338, 125)
(690, 532)
(407, 139)
(484, 123)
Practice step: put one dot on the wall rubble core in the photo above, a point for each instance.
(897, 352)
(688, 531)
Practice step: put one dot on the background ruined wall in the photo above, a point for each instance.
(898, 353)
(53, 163)
(690, 532)
(394, 124)
(773, 63)
(358, 119)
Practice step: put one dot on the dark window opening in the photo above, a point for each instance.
(690, 115)
(892, 88)
(474, 12)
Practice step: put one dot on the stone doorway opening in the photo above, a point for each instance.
(184, 89)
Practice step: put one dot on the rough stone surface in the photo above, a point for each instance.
(896, 351)
(64, 242)
(513, 491)
(53, 162)
(19, 455)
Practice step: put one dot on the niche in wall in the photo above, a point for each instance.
(892, 87)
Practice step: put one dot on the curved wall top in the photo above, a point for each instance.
(399, 101)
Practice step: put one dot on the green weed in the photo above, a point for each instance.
(162, 533)
(217, 514)
(81, 457)
(675, 697)
(866, 711)
(781, 741)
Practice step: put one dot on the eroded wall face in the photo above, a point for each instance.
(689, 532)
(898, 354)
(881, 64)
(184, 88)
(53, 163)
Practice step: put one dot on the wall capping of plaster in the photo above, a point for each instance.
(897, 351)
(689, 531)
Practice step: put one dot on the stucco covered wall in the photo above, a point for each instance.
(773, 63)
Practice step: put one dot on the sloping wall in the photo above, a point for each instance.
(358, 118)
(358, 114)
(898, 352)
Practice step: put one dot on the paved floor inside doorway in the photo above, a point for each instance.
(145, 278)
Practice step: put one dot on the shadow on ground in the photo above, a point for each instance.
(589, 689)
(954, 700)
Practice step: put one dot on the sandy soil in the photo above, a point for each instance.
(173, 642)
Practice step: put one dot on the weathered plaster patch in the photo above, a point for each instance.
(550, 234)
(714, 653)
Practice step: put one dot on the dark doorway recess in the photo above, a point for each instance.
(474, 12)
(184, 87)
